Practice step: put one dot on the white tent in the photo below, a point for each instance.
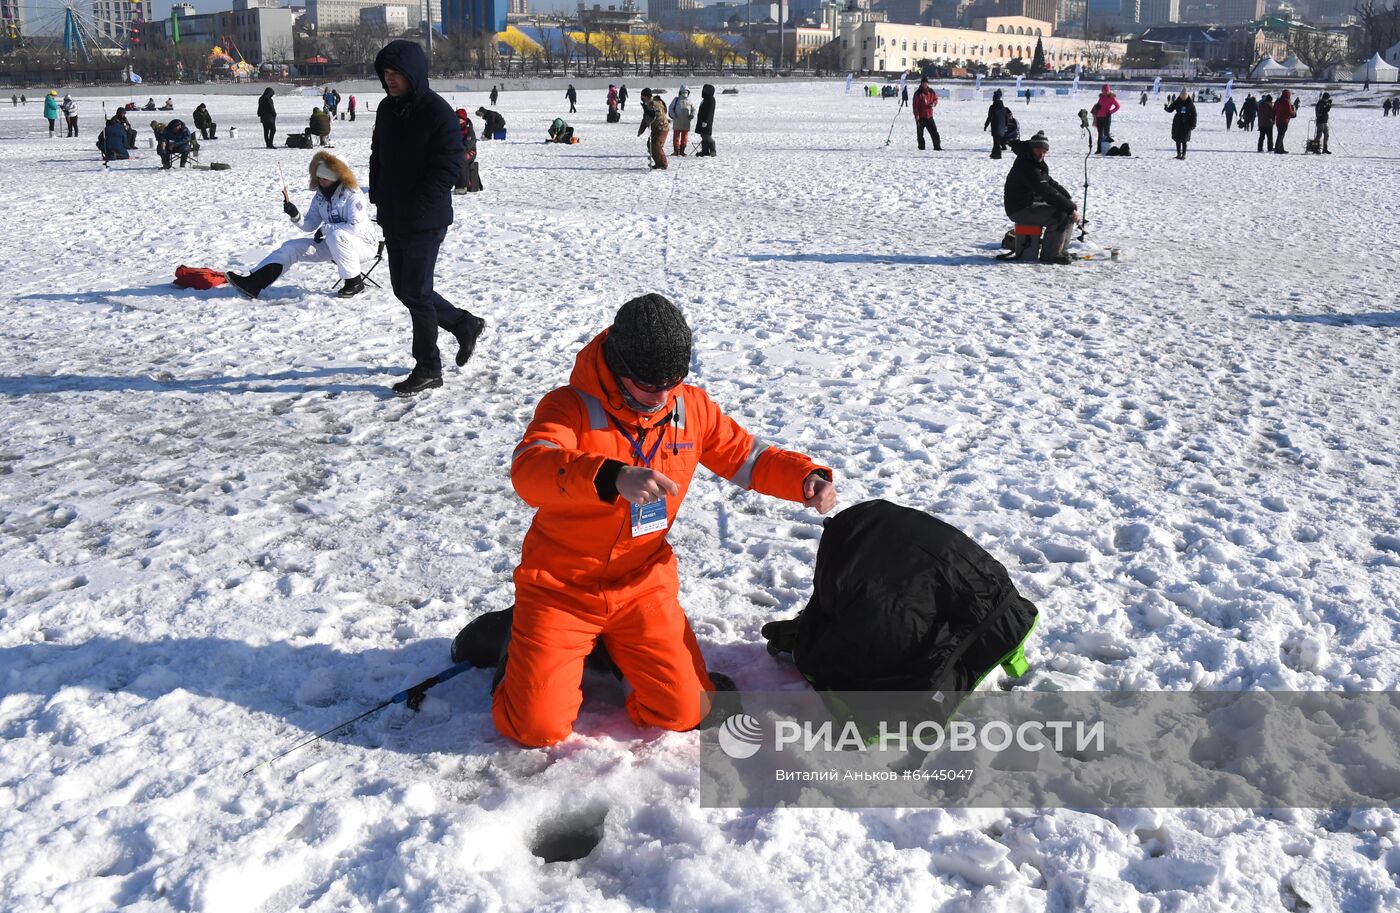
(1268, 68)
(1296, 67)
(1376, 70)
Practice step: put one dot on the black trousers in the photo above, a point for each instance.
(412, 260)
(1266, 135)
(269, 132)
(998, 144)
(471, 177)
(927, 124)
(1280, 128)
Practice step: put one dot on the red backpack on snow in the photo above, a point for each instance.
(201, 277)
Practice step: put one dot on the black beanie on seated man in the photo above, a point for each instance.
(649, 341)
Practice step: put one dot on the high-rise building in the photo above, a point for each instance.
(1160, 12)
(1114, 14)
(519, 7)
(114, 18)
(909, 12)
(473, 17)
(1236, 12)
(344, 15)
(667, 11)
(1044, 10)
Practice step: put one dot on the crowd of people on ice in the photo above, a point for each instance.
(607, 459)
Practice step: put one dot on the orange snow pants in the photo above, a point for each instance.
(646, 633)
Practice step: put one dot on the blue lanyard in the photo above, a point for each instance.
(646, 458)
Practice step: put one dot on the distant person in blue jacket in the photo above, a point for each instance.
(112, 141)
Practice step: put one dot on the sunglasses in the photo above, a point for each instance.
(625, 370)
(656, 388)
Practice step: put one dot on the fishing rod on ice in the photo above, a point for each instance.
(413, 697)
(1084, 210)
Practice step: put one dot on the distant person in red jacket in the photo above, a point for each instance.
(1283, 113)
(470, 181)
(925, 100)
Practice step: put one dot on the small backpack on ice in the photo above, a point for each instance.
(200, 277)
(901, 601)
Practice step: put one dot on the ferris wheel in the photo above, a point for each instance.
(72, 32)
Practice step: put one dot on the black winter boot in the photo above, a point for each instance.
(416, 383)
(724, 701)
(252, 285)
(467, 337)
(352, 287)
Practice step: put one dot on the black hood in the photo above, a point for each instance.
(708, 91)
(408, 58)
(267, 93)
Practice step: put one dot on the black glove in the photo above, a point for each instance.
(291, 210)
(319, 236)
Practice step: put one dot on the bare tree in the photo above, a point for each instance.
(355, 50)
(1380, 27)
(545, 54)
(1098, 48)
(279, 51)
(655, 49)
(586, 26)
(1316, 50)
(614, 50)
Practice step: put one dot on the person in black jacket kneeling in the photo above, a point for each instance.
(1032, 197)
(415, 160)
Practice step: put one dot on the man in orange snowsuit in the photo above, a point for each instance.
(606, 462)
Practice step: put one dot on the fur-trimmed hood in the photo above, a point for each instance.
(342, 171)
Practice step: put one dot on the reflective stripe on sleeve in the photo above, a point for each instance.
(597, 415)
(744, 476)
(526, 446)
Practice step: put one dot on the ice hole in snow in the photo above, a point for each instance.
(568, 838)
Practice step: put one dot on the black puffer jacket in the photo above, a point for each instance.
(1183, 118)
(902, 601)
(1029, 182)
(705, 117)
(416, 155)
(267, 111)
(996, 115)
(1323, 108)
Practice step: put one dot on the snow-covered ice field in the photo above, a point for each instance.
(221, 534)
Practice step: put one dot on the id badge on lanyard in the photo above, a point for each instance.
(647, 518)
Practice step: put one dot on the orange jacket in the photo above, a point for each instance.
(577, 538)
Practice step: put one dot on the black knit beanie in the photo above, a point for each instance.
(649, 341)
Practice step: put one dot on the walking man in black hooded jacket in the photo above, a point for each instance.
(415, 160)
(267, 114)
